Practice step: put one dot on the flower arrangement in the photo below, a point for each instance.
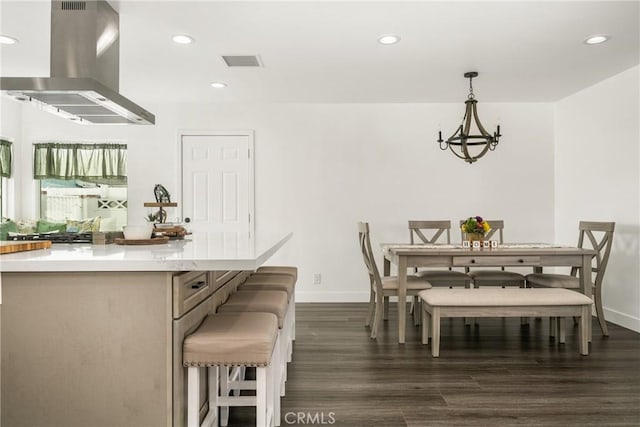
(475, 224)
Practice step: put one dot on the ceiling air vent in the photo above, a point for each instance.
(241, 60)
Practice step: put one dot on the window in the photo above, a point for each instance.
(82, 181)
(5, 173)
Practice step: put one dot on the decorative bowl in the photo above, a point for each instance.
(137, 232)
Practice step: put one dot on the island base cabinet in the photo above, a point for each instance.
(86, 349)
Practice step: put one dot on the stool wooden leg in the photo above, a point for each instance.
(273, 388)
(224, 372)
(281, 360)
(193, 397)
(293, 311)
(212, 416)
(275, 385)
(261, 397)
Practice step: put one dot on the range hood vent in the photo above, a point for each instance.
(84, 82)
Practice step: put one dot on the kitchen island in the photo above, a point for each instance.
(91, 335)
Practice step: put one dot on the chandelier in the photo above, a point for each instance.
(462, 139)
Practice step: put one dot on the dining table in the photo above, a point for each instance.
(535, 255)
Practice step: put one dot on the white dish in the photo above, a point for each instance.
(137, 232)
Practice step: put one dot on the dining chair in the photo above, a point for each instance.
(592, 235)
(432, 232)
(381, 287)
(496, 277)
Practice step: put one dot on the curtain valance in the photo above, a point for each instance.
(5, 158)
(79, 161)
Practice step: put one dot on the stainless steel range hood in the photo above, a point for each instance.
(85, 49)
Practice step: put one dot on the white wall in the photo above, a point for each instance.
(321, 168)
(10, 128)
(597, 171)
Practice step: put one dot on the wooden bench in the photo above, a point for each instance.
(510, 302)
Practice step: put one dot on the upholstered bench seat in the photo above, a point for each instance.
(498, 302)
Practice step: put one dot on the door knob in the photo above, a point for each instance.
(187, 219)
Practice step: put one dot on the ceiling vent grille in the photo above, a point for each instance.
(74, 5)
(241, 60)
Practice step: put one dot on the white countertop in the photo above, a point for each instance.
(199, 251)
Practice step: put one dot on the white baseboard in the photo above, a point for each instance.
(622, 319)
(335, 297)
(613, 316)
(332, 296)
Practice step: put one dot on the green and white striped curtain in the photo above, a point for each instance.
(80, 161)
(5, 158)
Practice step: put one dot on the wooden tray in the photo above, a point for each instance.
(154, 241)
(11, 247)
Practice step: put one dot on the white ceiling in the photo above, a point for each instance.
(326, 51)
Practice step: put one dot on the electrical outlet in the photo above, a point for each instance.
(316, 278)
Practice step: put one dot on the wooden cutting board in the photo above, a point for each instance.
(21, 246)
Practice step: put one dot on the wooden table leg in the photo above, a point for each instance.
(402, 298)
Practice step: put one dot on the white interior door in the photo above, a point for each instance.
(217, 181)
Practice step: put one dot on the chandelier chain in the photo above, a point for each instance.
(471, 95)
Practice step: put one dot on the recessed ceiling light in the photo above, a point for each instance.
(8, 40)
(218, 85)
(388, 39)
(596, 39)
(182, 39)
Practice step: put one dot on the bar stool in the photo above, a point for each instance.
(279, 269)
(266, 301)
(277, 281)
(246, 339)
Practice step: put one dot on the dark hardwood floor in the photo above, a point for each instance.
(493, 374)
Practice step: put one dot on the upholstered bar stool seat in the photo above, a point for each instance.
(258, 301)
(286, 285)
(279, 269)
(233, 339)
